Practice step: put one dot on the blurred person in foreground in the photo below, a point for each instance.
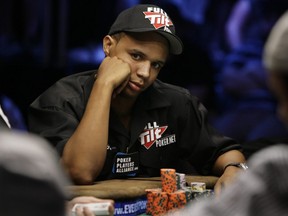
(121, 121)
(31, 181)
(263, 189)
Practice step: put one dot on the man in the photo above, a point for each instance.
(121, 121)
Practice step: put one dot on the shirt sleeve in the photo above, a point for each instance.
(202, 144)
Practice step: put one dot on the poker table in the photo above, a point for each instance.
(130, 193)
(129, 188)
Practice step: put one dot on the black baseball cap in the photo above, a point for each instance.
(146, 18)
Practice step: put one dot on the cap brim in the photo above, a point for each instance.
(175, 44)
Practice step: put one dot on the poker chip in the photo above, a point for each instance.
(200, 195)
(176, 200)
(188, 194)
(198, 186)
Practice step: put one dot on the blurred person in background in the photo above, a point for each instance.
(246, 105)
(262, 190)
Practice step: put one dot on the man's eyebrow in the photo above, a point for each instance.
(163, 62)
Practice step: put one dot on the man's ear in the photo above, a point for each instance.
(107, 44)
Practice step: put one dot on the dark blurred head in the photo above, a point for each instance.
(31, 180)
(275, 59)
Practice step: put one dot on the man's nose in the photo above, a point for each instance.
(144, 69)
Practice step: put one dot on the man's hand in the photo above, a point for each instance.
(115, 72)
(227, 178)
(227, 173)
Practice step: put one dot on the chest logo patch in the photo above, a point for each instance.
(151, 133)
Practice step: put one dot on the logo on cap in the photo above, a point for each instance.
(158, 18)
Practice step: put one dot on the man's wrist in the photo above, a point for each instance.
(241, 165)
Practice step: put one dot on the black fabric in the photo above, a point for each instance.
(28, 196)
(170, 116)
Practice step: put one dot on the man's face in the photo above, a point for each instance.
(146, 53)
(279, 88)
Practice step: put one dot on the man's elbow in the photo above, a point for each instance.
(82, 177)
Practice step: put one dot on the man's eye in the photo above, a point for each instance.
(136, 56)
(157, 66)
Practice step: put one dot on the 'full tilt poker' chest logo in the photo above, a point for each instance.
(153, 133)
(158, 18)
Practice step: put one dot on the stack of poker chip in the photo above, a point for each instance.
(168, 198)
(174, 193)
(199, 191)
(156, 201)
(180, 180)
(168, 180)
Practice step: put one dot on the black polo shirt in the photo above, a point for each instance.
(169, 126)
